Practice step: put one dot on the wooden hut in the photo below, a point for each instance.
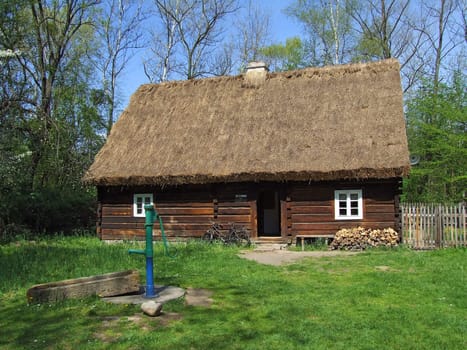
(302, 152)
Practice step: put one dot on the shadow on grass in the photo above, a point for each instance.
(43, 325)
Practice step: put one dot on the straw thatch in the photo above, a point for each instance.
(340, 122)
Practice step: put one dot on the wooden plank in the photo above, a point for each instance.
(139, 222)
(311, 209)
(99, 220)
(181, 203)
(337, 225)
(283, 216)
(296, 203)
(312, 218)
(110, 284)
(234, 210)
(317, 193)
(186, 227)
(319, 226)
(463, 217)
(174, 235)
(380, 217)
(243, 204)
(368, 219)
(329, 231)
(170, 234)
(254, 219)
(379, 208)
(377, 201)
(122, 219)
(111, 210)
(215, 205)
(188, 210)
(234, 218)
(187, 219)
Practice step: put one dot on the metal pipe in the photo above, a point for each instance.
(148, 252)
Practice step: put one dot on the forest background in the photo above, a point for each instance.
(63, 63)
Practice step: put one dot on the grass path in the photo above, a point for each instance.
(380, 299)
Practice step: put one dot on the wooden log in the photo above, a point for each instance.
(110, 284)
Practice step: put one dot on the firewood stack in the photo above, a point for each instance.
(359, 238)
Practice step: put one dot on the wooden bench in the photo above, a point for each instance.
(302, 238)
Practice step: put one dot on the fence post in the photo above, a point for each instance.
(434, 225)
(464, 224)
(400, 209)
(439, 226)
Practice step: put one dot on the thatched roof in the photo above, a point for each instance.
(339, 122)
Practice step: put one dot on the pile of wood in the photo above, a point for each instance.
(359, 238)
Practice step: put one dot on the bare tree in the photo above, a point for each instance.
(223, 60)
(161, 60)
(252, 33)
(191, 30)
(443, 34)
(463, 10)
(118, 34)
(328, 27)
(386, 29)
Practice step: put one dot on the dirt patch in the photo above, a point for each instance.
(282, 257)
(106, 334)
(198, 297)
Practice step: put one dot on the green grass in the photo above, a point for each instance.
(381, 299)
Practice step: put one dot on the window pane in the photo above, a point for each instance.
(139, 210)
(147, 200)
(139, 200)
(348, 204)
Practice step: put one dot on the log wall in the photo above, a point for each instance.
(188, 211)
(310, 209)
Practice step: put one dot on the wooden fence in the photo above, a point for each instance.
(427, 226)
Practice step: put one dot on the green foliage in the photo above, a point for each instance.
(50, 127)
(369, 48)
(50, 210)
(437, 131)
(397, 299)
(285, 57)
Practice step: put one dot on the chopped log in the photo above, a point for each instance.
(359, 238)
(110, 284)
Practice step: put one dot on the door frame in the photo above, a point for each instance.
(279, 191)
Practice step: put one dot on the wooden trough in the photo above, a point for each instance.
(106, 285)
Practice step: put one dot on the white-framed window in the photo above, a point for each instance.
(139, 201)
(348, 204)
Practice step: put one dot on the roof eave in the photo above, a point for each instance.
(310, 176)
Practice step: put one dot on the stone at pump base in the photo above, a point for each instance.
(151, 308)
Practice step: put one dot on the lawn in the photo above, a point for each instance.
(380, 299)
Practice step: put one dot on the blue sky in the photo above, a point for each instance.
(282, 28)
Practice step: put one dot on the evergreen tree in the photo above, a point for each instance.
(437, 131)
